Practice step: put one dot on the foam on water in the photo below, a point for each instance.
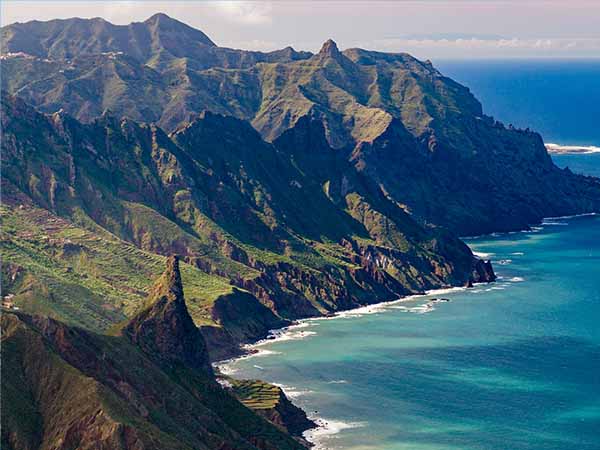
(326, 429)
(421, 309)
(292, 392)
(503, 262)
(398, 379)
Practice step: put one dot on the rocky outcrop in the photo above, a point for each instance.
(164, 330)
(288, 416)
(483, 272)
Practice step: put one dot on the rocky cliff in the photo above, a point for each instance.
(267, 234)
(164, 330)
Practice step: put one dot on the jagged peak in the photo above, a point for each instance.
(330, 49)
(164, 330)
(169, 284)
(159, 16)
(162, 19)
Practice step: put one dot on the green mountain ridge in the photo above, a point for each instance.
(287, 185)
(149, 388)
(265, 242)
(390, 114)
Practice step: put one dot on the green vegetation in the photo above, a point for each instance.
(92, 279)
(419, 137)
(83, 241)
(292, 184)
(256, 394)
(150, 385)
(93, 391)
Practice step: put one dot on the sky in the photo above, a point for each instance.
(428, 29)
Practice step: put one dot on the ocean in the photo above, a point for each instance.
(508, 365)
(558, 98)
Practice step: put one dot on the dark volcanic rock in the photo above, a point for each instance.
(483, 272)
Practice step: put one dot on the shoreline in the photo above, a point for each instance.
(327, 427)
(282, 334)
(368, 309)
(532, 228)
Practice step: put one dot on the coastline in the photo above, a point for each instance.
(327, 427)
(274, 333)
(533, 228)
(290, 332)
(329, 424)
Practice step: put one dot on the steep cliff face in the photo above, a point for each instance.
(151, 388)
(269, 232)
(474, 176)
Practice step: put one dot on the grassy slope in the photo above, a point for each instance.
(67, 388)
(58, 265)
(401, 111)
(215, 193)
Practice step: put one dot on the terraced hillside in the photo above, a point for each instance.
(270, 402)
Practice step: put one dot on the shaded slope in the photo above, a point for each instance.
(63, 387)
(494, 179)
(245, 212)
(419, 135)
(164, 330)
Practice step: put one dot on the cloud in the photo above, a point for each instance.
(491, 47)
(245, 12)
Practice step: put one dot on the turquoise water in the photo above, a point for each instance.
(510, 365)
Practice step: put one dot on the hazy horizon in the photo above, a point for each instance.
(428, 29)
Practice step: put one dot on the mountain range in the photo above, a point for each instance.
(374, 107)
(289, 184)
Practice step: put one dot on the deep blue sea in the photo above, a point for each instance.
(558, 98)
(512, 365)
